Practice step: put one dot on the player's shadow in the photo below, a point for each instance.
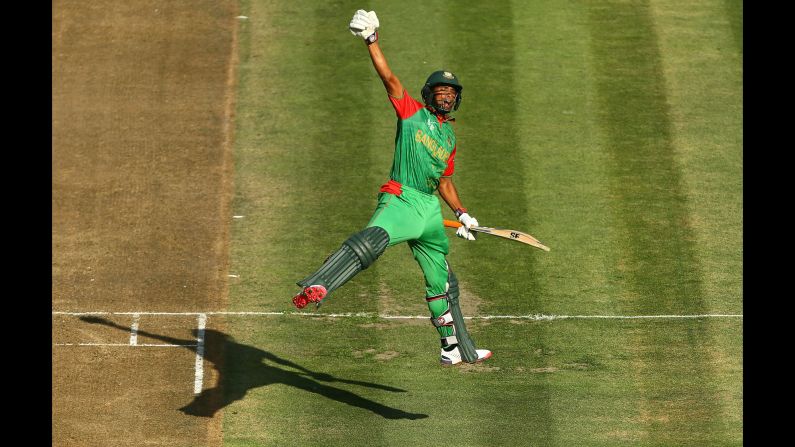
(249, 367)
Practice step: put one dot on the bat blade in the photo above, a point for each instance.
(513, 235)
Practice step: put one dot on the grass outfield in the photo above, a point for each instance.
(612, 131)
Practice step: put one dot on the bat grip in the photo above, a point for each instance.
(452, 223)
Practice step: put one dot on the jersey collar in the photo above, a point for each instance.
(439, 117)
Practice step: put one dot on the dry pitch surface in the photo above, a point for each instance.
(141, 101)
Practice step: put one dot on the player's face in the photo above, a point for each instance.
(444, 97)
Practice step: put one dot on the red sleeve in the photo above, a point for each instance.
(405, 106)
(450, 164)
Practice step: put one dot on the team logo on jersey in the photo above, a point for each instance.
(434, 147)
(431, 124)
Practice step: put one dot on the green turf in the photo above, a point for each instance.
(547, 391)
(610, 130)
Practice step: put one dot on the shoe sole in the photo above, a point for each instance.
(480, 360)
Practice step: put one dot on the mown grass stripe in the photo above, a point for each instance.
(293, 147)
(734, 12)
(660, 264)
(703, 72)
(567, 174)
(262, 171)
(490, 166)
(491, 177)
(338, 193)
(702, 44)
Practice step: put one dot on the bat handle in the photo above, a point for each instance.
(452, 223)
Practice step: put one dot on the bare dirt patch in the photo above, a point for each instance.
(360, 354)
(580, 366)
(477, 367)
(546, 369)
(388, 355)
(470, 302)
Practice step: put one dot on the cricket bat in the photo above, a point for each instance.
(501, 232)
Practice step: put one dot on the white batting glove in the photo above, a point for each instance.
(465, 233)
(365, 24)
(467, 222)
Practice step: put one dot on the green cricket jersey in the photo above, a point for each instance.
(424, 145)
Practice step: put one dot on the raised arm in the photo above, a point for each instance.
(365, 25)
(391, 82)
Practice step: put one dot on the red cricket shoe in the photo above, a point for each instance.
(311, 294)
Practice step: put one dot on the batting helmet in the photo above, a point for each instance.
(441, 77)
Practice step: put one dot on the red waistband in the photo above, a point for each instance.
(392, 187)
(434, 298)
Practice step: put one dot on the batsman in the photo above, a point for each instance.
(407, 209)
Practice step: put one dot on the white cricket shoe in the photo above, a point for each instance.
(453, 356)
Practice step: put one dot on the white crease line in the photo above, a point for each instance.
(156, 345)
(630, 317)
(134, 330)
(199, 377)
(412, 317)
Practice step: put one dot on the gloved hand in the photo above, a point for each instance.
(365, 24)
(467, 223)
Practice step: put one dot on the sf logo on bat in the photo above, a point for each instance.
(514, 235)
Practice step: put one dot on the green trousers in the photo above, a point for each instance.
(416, 218)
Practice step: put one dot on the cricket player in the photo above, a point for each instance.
(407, 210)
